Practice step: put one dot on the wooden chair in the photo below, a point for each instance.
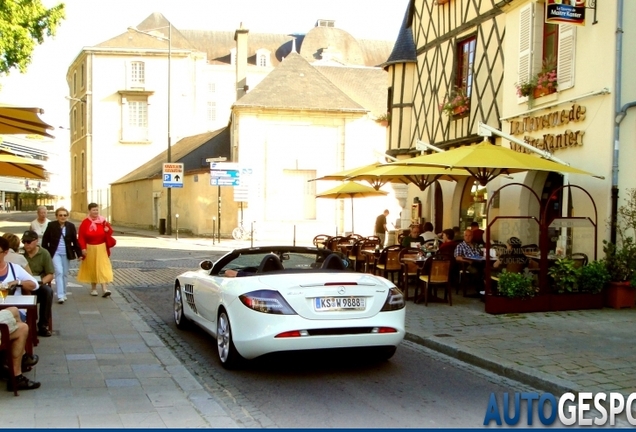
(5, 350)
(321, 240)
(389, 262)
(438, 274)
(510, 268)
(332, 244)
(355, 237)
(409, 268)
(359, 259)
(374, 238)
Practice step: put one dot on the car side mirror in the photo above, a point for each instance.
(206, 265)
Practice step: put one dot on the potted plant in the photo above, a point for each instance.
(620, 259)
(540, 84)
(384, 119)
(593, 277)
(456, 104)
(564, 275)
(516, 285)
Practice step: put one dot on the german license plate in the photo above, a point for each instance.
(322, 304)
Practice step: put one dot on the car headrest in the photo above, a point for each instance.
(333, 262)
(270, 263)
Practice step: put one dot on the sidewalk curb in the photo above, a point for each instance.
(504, 369)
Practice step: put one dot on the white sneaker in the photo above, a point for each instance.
(61, 300)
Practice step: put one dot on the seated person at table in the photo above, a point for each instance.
(413, 237)
(13, 256)
(466, 252)
(429, 233)
(41, 265)
(512, 255)
(18, 333)
(448, 245)
(478, 234)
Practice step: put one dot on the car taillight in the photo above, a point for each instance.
(267, 302)
(394, 301)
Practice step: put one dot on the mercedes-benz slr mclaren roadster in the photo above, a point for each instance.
(262, 300)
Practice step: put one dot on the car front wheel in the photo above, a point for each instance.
(228, 355)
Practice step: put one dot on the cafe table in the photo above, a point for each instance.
(28, 303)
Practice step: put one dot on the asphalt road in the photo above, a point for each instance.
(416, 388)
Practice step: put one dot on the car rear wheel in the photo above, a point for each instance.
(180, 319)
(230, 358)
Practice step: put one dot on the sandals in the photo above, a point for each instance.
(106, 294)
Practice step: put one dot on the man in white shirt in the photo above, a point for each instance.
(40, 223)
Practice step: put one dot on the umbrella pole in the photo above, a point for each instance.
(352, 230)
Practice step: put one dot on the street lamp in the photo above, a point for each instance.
(169, 154)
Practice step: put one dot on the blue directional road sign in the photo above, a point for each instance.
(224, 174)
(173, 175)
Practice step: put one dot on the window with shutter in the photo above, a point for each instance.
(526, 27)
(565, 63)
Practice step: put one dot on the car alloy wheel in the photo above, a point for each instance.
(228, 355)
(179, 316)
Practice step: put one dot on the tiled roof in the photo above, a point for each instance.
(297, 85)
(217, 44)
(404, 50)
(365, 85)
(191, 151)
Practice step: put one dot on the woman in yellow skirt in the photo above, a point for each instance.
(94, 236)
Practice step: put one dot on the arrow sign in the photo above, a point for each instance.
(172, 175)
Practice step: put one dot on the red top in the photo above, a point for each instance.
(93, 237)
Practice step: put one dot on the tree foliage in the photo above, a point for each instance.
(23, 26)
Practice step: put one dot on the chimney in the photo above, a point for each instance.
(240, 36)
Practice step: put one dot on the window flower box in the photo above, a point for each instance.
(456, 104)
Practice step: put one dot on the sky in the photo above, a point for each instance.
(89, 22)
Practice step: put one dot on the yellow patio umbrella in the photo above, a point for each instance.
(421, 176)
(345, 174)
(22, 120)
(16, 166)
(351, 190)
(486, 161)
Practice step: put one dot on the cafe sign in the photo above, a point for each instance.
(565, 12)
(542, 123)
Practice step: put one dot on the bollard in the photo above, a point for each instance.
(213, 230)
(252, 235)
(177, 225)
(294, 235)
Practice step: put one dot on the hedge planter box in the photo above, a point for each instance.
(576, 301)
(620, 295)
(501, 305)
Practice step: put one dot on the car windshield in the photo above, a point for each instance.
(290, 260)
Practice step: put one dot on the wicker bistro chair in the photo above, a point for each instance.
(334, 241)
(580, 259)
(359, 258)
(389, 262)
(410, 268)
(321, 240)
(437, 274)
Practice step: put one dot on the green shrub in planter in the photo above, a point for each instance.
(565, 275)
(593, 277)
(516, 284)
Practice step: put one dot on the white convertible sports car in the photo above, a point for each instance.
(282, 298)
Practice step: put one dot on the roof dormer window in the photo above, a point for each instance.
(263, 58)
(325, 23)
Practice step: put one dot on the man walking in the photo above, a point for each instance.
(380, 227)
(41, 265)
